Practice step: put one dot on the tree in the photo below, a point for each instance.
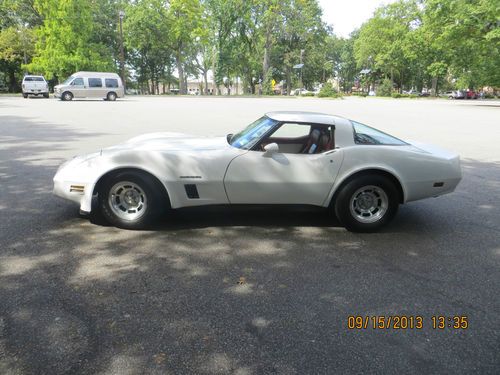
(147, 40)
(381, 39)
(65, 40)
(184, 19)
(16, 48)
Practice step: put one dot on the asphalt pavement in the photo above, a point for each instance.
(246, 290)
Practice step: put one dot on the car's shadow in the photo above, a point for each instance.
(242, 215)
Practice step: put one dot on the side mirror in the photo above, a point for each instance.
(271, 148)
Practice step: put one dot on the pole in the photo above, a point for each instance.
(121, 14)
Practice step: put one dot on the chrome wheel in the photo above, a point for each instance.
(369, 204)
(67, 96)
(127, 200)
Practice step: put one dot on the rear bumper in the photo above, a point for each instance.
(35, 92)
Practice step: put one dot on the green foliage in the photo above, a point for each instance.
(385, 88)
(16, 46)
(328, 91)
(414, 43)
(65, 40)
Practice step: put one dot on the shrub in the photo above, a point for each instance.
(327, 91)
(385, 88)
(308, 94)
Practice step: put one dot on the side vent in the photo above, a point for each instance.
(191, 191)
(77, 189)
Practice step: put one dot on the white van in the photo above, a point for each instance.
(107, 86)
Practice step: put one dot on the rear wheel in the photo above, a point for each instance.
(131, 200)
(111, 96)
(367, 203)
(67, 96)
(46, 95)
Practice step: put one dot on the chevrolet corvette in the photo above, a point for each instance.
(357, 172)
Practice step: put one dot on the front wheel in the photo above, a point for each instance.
(67, 96)
(111, 96)
(130, 200)
(367, 203)
(25, 96)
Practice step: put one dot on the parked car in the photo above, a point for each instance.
(357, 172)
(456, 94)
(411, 92)
(301, 92)
(470, 94)
(35, 85)
(107, 86)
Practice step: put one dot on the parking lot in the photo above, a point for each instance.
(243, 291)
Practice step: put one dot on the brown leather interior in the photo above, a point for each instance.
(319, 140)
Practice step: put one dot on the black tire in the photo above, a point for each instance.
(25, 96)
(67, 96)
(345, 198)
(46, 95)
(111, 96)
(156, 202)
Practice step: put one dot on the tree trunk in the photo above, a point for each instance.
(214, 84)
(265, 61)
(288, 80)
(434, 86)
(13, 85)
(205, 79)
(180, 70)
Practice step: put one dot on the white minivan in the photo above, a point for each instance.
(107, 86)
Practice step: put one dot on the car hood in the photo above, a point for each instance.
(171, 142)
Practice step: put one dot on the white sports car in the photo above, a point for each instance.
(359, 173)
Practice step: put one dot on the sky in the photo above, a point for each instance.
(347, 15)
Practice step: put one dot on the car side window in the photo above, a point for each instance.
(111, 82)
(95, 82)
(297, 138)
(77, 82)
(291, 130)
(365, 135)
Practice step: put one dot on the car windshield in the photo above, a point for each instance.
(68, 81)
(365, 135)
(248, 137)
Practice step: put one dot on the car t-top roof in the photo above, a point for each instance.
(298, 116)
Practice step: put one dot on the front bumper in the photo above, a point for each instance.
(75, 181)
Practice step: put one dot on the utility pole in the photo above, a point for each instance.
(121, 14)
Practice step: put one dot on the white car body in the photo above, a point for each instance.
(34, 85)
(224, 174)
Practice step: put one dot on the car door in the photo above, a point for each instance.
(78, 88)
(259, 177)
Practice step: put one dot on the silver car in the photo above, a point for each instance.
(107, 86)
